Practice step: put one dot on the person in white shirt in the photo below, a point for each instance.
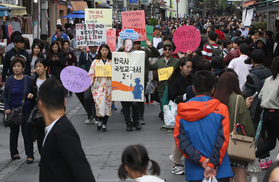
(157, 37)
(239, 66)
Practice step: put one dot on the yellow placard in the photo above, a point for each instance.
(98, 16)
(165, 73)
(103, 70)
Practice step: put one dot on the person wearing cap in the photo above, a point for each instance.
(47, 44)
(165, 30)
(157, 37)
(164, 62)
(261, 44)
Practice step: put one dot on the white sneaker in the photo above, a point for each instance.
(178, 170)
(87, 121)
(171, 157)
(95, 121)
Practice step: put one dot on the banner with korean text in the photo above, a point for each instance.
(91, 34)
(111, 39)
(128, 76)
(93, 15)
(134, 20)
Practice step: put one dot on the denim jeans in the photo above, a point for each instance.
(27, 138)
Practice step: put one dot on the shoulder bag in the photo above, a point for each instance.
(16, 117)
(241, 147)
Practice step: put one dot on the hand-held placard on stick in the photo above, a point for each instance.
(186, 38)
(111, 39)
(165, 73)
(75, 79)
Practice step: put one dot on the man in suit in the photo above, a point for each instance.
(62, 157)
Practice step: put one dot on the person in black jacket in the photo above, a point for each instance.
(16, 51)
(62, 157)
(41, 75)
(55, 59)
(177, 86)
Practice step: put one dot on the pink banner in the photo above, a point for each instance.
(111, 39)
(134, 20)
(186, 38)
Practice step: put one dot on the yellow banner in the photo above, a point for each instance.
(165, 73)
(99, 16)
(103, 70)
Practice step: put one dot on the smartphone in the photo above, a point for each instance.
(255, 94)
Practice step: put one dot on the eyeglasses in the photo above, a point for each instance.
(169, 49)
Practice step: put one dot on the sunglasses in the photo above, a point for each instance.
(169, 49)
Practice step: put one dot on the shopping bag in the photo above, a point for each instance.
(170, 112)
(213, 179)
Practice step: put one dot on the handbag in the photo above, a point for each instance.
(16, 117)
(36, 118)
(241, 147)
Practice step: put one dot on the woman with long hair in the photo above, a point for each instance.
(226, 92)
(55, 59)
(269, 96)
(35, 54)
(177, 86)
(101, 87)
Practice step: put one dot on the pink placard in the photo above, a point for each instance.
(75, 79)
(186, 38)
(134, 20)
(111, 39)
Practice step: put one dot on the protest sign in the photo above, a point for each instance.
(99, 16)
(128, 34)
(128, 76)
(149, 35)
(103, 70)
(165, 73)
(91, 34)
(134, 20)
(75, 79)
(111, 39)
(186, 38)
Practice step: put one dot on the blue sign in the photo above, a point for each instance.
(124, 9)
(129, 34)
(133, 1)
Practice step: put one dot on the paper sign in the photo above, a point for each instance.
(149, 35)
(129, 34)
(134, 20)
(128, 76)
(99, 16)
(186, 38)
(165, 73)
(75, 79)
(111, 39)
(103, 70)
(91, 34)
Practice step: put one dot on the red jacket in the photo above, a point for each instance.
(221, 34)
(231, 55)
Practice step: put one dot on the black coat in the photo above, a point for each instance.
(62, 156)
(178, 86)
(56, 66)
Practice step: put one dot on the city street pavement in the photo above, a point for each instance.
(103, 150)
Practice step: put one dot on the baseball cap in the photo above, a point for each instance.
(167, 44)
(157, 26)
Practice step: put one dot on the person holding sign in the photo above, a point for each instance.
(100, 74)
(163, 65)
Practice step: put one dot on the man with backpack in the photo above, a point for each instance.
(254, 82)
(212, 48)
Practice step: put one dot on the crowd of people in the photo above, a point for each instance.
(233, 67)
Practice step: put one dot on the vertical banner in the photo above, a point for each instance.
(99, 16)
(128, 76)
(111, 39)
(91, 34)
(134, 20)
(149, 35)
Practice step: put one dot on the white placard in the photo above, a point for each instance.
(128, 76)
(91, 34)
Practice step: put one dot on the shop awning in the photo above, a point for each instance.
(4, 11)
(15, 10)
(248, 3)
(78, 5)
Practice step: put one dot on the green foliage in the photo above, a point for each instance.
(223, 3)
(260, 24)
(153, 22)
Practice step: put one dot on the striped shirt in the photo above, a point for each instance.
(207, 51)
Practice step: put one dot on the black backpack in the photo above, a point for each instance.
(262, 78)
(217, 51)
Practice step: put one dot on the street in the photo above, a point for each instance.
(103, 149)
